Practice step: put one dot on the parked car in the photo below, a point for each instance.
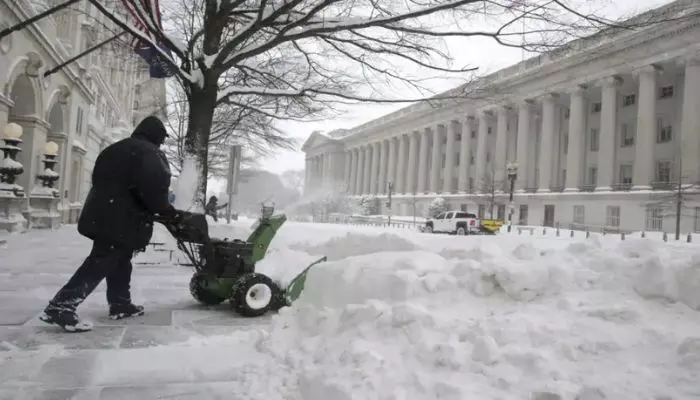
(462, 223)
(454, 222)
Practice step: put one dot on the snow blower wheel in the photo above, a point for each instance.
(255, 294)
(198, 288)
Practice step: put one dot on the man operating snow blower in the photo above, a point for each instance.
(130, 184)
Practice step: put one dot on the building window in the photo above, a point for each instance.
(563, 176)
(612, 216)
(626, 174)
(481, 213)
(444, 160)
(567, 113)
(458, 137)
(473, 134)
(594, 139)
(566, 143)
(666, 92)
(592, 175)
(654, 219)
(471, 184)
(579, 215)
(596, 107)
(456, 159)
(488, 157)
(489, 130)
(663, 133)
(626, 135)
(629, 100)
(463, 207)
(471, 158)
(522, 215)
(663, 171)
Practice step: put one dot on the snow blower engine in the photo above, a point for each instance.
(225, 269)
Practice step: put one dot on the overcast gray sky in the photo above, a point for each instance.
(466, 52)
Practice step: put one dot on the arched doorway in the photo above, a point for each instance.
(57, 118)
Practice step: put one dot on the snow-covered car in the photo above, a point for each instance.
(454, 222)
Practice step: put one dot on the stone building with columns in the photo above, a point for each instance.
(601, 131)
(83, 107)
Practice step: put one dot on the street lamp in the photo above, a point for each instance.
(10, 168)
(512, 169)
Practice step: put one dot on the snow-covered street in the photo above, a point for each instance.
(394, 314)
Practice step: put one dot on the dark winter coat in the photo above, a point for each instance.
(130, 184)
(213, 205)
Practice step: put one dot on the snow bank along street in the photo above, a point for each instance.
(393, 315)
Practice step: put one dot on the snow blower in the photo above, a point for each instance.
(225, 269)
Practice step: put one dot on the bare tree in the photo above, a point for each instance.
(309, 54)
(674, 204)
(231, 125)
(489, 186)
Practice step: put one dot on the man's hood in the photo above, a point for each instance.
(151, 129)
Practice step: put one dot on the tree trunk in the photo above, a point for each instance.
(201, 106)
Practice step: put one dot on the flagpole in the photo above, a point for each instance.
(35, 18)
(83, 54)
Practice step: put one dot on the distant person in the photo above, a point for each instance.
(212, 207)
(130, 183)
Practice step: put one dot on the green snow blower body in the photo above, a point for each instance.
(225, 269)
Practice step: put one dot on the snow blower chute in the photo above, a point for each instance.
(225, 269)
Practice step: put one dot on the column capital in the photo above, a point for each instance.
(577, 90)
(547, 97)
(649, 69)
(613, 81)
(526, 104)
(692, 60)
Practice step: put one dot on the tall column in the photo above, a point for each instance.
(367, 182)
(353, 171)
(391, 163)
(464, 155)
(383, 155)
(577, 139)
(646, 128)
(501, 149)
(523, 143)
(547, 142)
(375, 168)
(452, 131)
(608, 128)
(401, 167)
(360, 171)
(411, 183)
(480, 176)
(436, 163)
(690, 124)
(421, 187)
(347, 171)
(307, 175)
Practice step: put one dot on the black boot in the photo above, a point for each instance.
(121, 311)
(66, 319)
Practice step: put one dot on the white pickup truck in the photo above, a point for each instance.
(454, 222)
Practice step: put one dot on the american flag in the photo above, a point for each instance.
(147, 20)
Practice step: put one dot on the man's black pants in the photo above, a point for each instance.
(104, 261)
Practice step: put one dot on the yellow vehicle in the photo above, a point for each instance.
(492, 225)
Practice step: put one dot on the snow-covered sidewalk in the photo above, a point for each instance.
(399, 315)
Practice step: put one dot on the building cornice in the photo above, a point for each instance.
(533, 70)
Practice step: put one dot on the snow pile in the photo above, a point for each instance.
(498, 320)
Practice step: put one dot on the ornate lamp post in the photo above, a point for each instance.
(48, 176)
(512, 169)
(10, 168)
